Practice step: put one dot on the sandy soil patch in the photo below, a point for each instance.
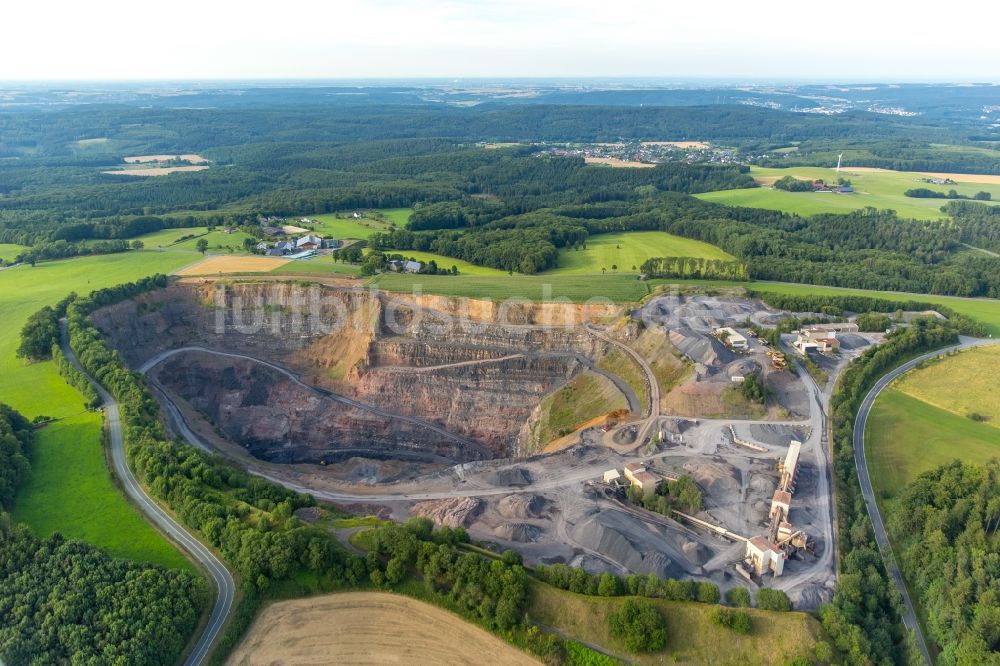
(154, 171)
(766, 180)
(145, 159)
(214, 265)
(615, 162)
(292, 229)
(684, 145)
(368, 628)
(984, 179)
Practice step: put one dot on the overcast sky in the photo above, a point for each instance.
(847, 40)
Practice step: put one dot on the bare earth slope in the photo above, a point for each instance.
(368, 628)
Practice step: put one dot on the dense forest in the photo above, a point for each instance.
(945, 525)
(68, 602)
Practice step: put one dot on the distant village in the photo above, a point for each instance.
(648, 152)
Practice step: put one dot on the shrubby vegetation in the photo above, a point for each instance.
(792, 184)
(682, 494)
(737, 621)
(576, 579)
(69, 602)
(639, 625)
(490, 592)
(76, 379)
(773, 600)
(694, 267)
(945, 524)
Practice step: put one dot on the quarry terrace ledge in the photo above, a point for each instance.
(316, 310)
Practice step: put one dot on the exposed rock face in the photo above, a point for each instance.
(280, 421)
(475, 378)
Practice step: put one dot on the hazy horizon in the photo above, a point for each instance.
(855, 41)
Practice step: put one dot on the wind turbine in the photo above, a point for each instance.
(839, 157)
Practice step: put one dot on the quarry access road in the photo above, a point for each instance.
(164, 355)
(861, 462)
(225, 586)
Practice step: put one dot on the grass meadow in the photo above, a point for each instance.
(879, 189)
(10, 250)
(922, 420)
(70, 490)
(630, 249)
(219, 242)
(775, 638)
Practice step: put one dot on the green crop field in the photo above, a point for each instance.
(55, 496)
(879, 189)
(9, 250)
(70, 491)
(575, 288)
(630, 249)
(906, 436)
(218, 241)
(398, 216)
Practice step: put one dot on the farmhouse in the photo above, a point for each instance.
(308, 242)
(732, 338)
(764, 556)
(790, 467)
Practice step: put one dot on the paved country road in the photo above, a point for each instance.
(225, 587)
(909, 616)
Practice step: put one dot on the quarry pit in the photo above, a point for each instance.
(426, 405)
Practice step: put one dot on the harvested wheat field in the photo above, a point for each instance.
(615, 162)
(985, 179)
(213, 265)
(154, 171)
(368, 628)
(144, 159)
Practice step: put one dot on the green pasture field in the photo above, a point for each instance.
(906, 436)
(10, 250)
(70, 491)
(630, 249)
(334, 227)
(575, 288)
(218, 241)
(878, 189)
(65, 486)
(318, 266)
(464, 267)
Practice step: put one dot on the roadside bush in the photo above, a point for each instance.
(739, 597)
(639, 625)
(773, 600)
(708, 593)
(737, 621)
